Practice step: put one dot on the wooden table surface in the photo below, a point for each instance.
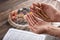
(6, 6)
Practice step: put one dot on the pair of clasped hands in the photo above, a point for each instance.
(42, 11)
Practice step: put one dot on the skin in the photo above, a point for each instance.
(47, 9)
(43, 26)
(39, 26)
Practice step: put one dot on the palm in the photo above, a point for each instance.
(36, 25)
(49, 10)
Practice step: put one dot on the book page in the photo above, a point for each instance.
(15, 34)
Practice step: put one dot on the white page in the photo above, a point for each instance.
(14, 34)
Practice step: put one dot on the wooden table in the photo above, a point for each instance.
(6, 7)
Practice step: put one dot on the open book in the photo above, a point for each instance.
(15, 34)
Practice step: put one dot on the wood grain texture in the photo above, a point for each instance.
(6, 6)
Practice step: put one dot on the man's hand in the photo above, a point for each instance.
(47, 11)
(41, 27)
(36, 25)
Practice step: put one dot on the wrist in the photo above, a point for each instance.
(48, 29)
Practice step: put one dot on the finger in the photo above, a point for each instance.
(31, 19)
(37, 10)
(28, 20)
(32, 7)
(34, 13)
(33, 26)
(33, 29)
(42, 14)
(44, 6)
(46, 16)
(39, 13)
(39, 20)
(35, 20)
(36, 4)
(39, 5)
